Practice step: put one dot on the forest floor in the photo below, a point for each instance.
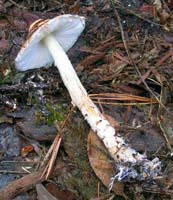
(124, 58)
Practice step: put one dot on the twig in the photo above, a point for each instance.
(162, 128)
(53, 150)
(122, 97)
(23, 87)
(165, 135)
(20, 185)
(53, 153)
(12, 172)
(121, 104)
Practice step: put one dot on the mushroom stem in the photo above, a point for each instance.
(115, 144)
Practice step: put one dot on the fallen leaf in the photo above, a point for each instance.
(26, 150)
(88, 61)
(43, 194)
(149, 10)
(99, 160)
(59, 193)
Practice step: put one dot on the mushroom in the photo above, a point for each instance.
(47, 43)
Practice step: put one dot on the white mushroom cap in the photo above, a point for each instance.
(34, 54)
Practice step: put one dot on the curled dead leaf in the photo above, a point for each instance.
(26, 150)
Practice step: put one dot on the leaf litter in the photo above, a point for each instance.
(125, 65)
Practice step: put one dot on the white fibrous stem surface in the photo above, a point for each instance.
(118, 149)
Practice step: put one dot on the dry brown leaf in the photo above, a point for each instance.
(43, 194)
(59, 193)
(26, 150)
(99, 160)
(88, 61)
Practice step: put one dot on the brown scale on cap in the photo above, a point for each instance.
(34, 27)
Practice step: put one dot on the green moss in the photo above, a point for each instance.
(6, 74)
(57, 113)
(54, 113)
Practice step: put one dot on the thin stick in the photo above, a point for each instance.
(20, 185)
(53, 150)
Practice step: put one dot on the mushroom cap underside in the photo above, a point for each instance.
(34, 54)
